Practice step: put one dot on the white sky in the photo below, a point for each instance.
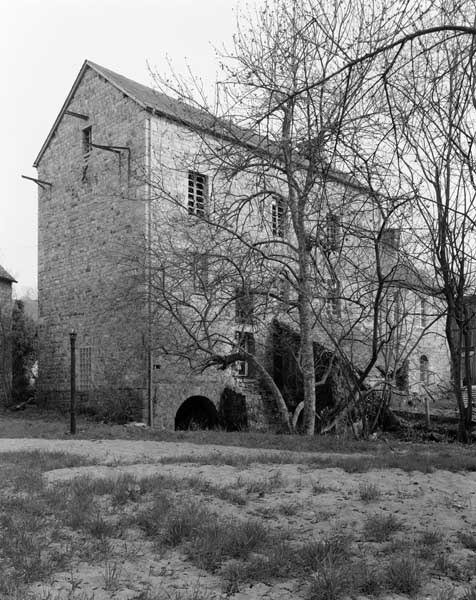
(43, 44)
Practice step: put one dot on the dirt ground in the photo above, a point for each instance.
(305, 502)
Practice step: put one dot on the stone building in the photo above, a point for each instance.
(6, 281)
(102, 168)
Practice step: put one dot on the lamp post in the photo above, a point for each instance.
(72, 339)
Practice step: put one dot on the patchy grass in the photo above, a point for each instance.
(369, 492)
(379, 527)
(220, 529)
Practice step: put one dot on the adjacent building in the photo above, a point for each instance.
(6, 281)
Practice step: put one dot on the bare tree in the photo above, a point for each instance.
(432, 99)
(283, 157)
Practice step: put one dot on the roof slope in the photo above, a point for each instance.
(150, 100)
(179, 111)
(5, 276)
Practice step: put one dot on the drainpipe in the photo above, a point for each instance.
(150, 411)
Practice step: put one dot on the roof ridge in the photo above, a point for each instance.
(5, 275)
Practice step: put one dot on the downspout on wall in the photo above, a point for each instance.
(148, 217)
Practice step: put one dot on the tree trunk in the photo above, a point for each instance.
(307, 365)
(268, 382)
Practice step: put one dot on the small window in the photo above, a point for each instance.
(87, 140)
(244, 340)
(424, 370)
(200, 271)
(333, 298)
(277, 217)
(390, 239)
(283, 286)
(423, 313)
(244, 306)
(85, 369)
(333, 231)
(197, 193)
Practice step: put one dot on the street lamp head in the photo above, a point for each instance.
(73, 334)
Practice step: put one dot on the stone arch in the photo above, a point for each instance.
(197, 412)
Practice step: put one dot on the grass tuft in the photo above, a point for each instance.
(468, 539)
(379, 527)
(404, 575)
(369, 492)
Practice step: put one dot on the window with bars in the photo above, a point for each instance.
(333, 231)
(200, 271)
(245, 341)
(333, 298)
(197, 193)
(244, 306)
(85, 369)
(277, 217)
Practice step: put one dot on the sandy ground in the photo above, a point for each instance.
(327, 499)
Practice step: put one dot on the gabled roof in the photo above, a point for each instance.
(146, 97)
(6, 276)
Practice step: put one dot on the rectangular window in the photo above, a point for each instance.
(390, 239)
(197, 193)
(244, 306)
(333, 231)
(423, 313)
(87, 140)
(85, 369)
(277, 217)
(245, 341)
(200, 271)
(333, 298)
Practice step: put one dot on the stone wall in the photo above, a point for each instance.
(91, 225)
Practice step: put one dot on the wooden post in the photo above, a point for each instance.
(72, 339)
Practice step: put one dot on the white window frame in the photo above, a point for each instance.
(85, 369)
(333, 231)
(277, 217)
(197, 194)
(332, 300)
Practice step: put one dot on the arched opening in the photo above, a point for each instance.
(197, 412)
(232, 411)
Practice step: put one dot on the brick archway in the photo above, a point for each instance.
(197, 412)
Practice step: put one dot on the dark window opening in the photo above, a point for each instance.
(232, 411)
(333, 232)
(244, 306)
(245, 342)
(197, 193)
(87, 140)
(277, 217)
(200, 272)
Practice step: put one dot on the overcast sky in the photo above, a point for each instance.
(43, 44)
